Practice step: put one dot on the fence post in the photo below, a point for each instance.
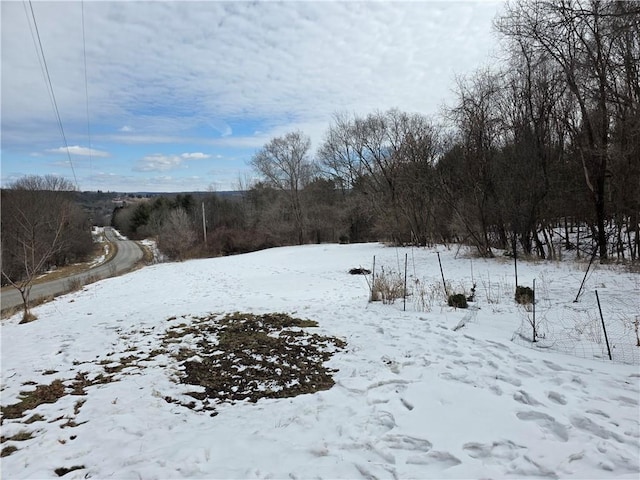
(604, 329)
(584, 279)
(514, 246)
(533, 301)
(404, 293)
(444, 284)
(373, 279)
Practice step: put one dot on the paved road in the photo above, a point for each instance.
(128, 254)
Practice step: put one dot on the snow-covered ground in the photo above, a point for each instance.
(415, 396)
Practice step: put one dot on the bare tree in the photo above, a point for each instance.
(592, 43)
(467, 180)
(374, 156)
(177, 234)
(35, 214)
(284, 164)
(530, 107)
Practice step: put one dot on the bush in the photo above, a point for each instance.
(458, 300)
(524, 295)
(232, 241)
(387, 287)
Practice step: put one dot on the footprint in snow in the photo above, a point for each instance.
(441, 460)
(557, 398)
(457, 378)
(407, 442)
(627, 401)
(496, 389)
(513, 381)
(523, 397)
(588, 425)
(495, 452)
(553, 366)
(598, 412)
(525, 373)
(493, 365)
(382, 422)
(546, 422)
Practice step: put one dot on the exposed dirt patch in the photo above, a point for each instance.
(18, 437)
(62, 471)
(50, 394)
(223, 359)
(8, 450)
(243, 356)
(30, 400)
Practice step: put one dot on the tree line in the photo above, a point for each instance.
(531, 157)
(42, 226)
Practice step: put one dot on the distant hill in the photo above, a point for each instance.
(99, 205)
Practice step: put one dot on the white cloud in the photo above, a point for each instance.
(195, 156)
(158, 162)
(80, 151)
(226, 60)
(126, 129)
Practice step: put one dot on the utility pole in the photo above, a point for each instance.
(204, 225)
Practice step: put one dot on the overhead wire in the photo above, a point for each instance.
(86, 91)
(51, 91)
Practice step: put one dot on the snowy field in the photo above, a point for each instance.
(430, 392)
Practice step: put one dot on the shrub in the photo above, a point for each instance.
(74, 284)
(387, 287)
(524, 295)
(458, 300)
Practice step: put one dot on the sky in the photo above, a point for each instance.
(178, 96)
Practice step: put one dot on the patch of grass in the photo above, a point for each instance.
(78, 406)
(243, 356)
(74, 284)
(124, 363)
(147, 254)
(387, 287)
(82, 381)
(18, 437)
(42, 394)
(11, 311)
(71, 423)
(34, 418)
(62, 471)
(8, 450)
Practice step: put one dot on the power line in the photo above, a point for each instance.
(86, 91)
(51, 92)
(35, 45)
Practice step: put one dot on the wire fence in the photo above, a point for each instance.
(577, 328)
